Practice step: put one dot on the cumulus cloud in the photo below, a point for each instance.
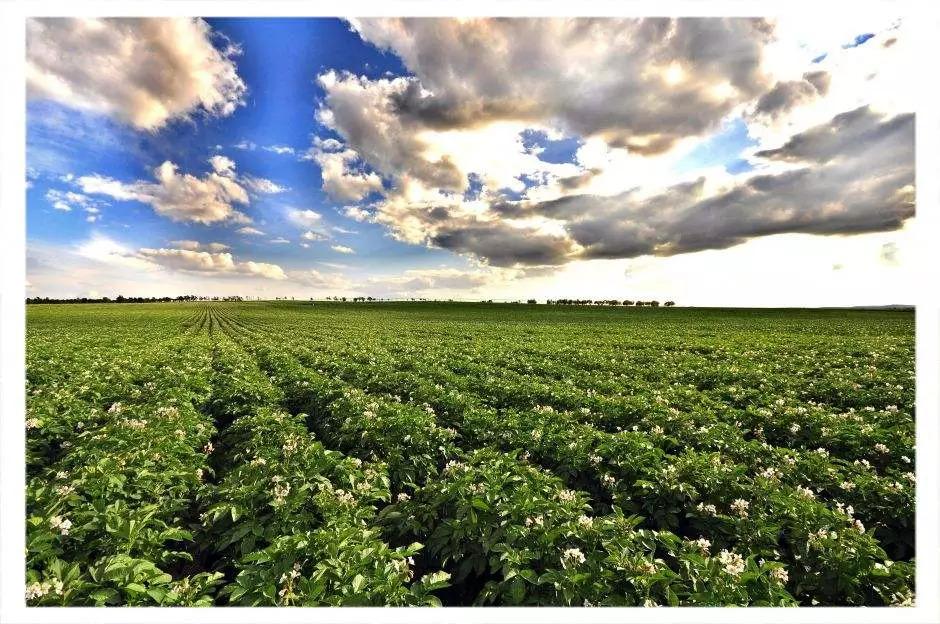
(343, 249)
(222, 165)
(106, 250)
(311, 235)
(786, 95)
(180, 196)
(356, 213)
(279, 149)
(363, 112)
(143, 71)
(190, 245)
(847, 134)
(263, 186)
(644, 83)
(305, 218)
(853, 175)
(66, 200)
(193, 245)
(209, 262)
(439, 139)
(340, 179)
(503, 244)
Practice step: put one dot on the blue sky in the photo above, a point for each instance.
(398, 158)
(279, 62)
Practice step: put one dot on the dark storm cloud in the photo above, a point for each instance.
(503, 245)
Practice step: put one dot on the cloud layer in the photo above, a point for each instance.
(642, 83)
(631, 92)
(854, 174)
(181, 196)
(187, 258)
(145, 72)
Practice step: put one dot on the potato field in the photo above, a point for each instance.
(408, 454)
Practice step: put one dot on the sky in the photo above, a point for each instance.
(739, 162)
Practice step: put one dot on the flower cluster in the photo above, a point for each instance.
(732, 562)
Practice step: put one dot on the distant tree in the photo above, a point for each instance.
(654, 303)
(531, 301)
(669, 304)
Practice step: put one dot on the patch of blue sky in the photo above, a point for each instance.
(859, 40)
(474, 187)
(721, 149)
(556, 151)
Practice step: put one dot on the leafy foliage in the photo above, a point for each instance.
(393, 454)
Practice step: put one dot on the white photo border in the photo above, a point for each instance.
(923, 16)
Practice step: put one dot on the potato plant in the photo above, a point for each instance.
(327, 454)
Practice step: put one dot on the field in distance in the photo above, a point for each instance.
(468, 454)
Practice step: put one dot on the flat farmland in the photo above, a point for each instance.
(300, 453)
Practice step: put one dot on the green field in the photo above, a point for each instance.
(458, 454)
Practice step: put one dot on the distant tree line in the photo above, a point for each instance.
(607, 302)
(364, 299)
(123, 299)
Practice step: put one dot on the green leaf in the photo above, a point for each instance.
(357, 582)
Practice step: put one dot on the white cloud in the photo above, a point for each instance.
(144, 71)
(208, 262)
(324, 281)
(263, 269)
(189, 260)
(59, 204)
(341, 181)
(642, 84)
(103, 249)
(245, 145)
(250, 231)
(638, 95)
(280, 240)
(193, 245)
(180, 197)
(304, 218)
(357, 214)
(343, 249)
(222, 165)
(263, 185)
(280, 149)
(440, 280)
(313, 236)
(66, 200)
